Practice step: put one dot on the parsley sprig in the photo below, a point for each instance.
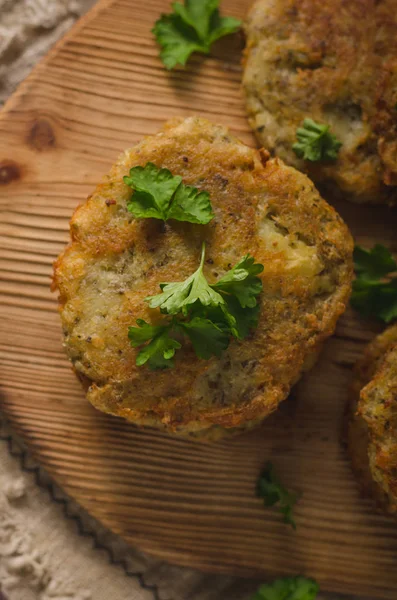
(207, 338)
(274, 493)
(179, 296)
(160, 195)
(375, 287)
(208, 315)
(316, 142)
(192, 27)
(288, 588)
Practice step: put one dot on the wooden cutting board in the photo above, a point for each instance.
(99, 91)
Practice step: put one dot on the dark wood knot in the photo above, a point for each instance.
(41, 135)
(9, 171)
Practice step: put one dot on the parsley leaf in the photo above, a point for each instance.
(207, 338)
(235, 294)
(374, 290)
(240, 321)
(177, 40)
(316, 142)
(207, 317)
(161, 349)
(176, 297)
(242, 281)
(191, 205)
(197, 14)
(288, 588)
(375, 263)
(270, 489)
(192, 27)
(160, 195)
(143, 333)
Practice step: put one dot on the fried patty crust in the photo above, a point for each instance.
(372, 426)
(114, 261)
(336, 63)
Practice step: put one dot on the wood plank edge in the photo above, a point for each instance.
(25, 85)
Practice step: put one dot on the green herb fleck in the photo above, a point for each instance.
(208, 339)
(316, 142)
(160, 195)
(375, 287)
(288, 588)
(242, 281)
(192, 27)
(161, 349)
(271, 490)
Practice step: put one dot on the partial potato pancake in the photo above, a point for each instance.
(114, 261)
(336, 63)
(372, 433)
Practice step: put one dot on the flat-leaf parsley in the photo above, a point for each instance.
(316, 142)
(160, 195)
(288, 588)
(242, 281)
(207, 314)
(274, 493)
(193, 27)
(161, 349)
(177, 297)
(375, 288)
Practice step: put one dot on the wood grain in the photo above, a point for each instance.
(99, 91)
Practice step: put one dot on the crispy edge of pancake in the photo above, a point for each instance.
(358, 433)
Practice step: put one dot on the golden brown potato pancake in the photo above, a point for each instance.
(336, 63)
(372, 428)
(114, 261)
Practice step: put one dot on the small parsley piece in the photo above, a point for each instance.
(242, 281)
(161, 349)
(239, 320)
(143, 333)
(373, 264)
(160, 195)
(194, 309)
(193, 27)
(375, 288)
(271, 490)
(316, 142)
(208, 339)
(288, 588)
(177, 297)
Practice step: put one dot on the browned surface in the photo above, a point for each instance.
(374, 422)
(335, 62)
(114, 261)
(99, 92)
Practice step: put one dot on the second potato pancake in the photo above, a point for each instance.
(334, 62)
